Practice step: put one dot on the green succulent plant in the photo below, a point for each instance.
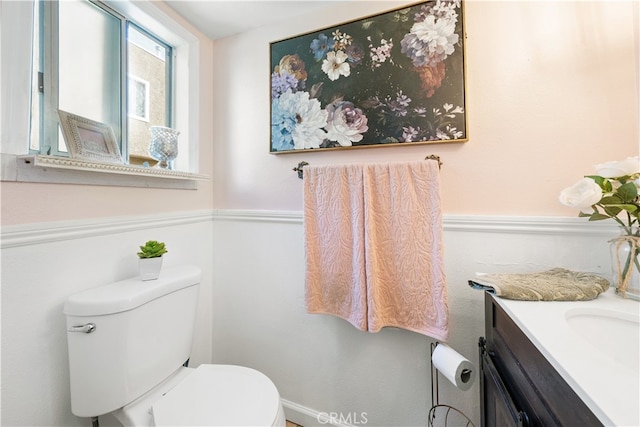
(152, 249)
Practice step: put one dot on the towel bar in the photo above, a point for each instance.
(302, 164)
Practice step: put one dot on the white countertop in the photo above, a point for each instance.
(608, 385)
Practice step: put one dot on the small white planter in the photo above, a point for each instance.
(149, 268)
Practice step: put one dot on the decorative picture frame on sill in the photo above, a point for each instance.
(89, 140)
(397, 77)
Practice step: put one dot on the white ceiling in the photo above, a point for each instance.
(223, 18)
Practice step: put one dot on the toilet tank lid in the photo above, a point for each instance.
(130, 293)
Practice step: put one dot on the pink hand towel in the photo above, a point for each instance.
(406, 285)
(373, 245)
(334, 242)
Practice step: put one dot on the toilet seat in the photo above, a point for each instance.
(220, 395)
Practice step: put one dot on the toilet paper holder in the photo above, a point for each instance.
(439, 410)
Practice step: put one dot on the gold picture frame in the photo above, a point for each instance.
(89, 140)
(395, 78)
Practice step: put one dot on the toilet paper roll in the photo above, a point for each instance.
(458, 370)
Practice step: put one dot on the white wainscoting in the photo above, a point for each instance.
(42, 264)
(252, 307)
(321, 364)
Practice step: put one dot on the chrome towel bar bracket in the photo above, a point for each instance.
(299, 169)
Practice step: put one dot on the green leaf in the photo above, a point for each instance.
(598, 217)
(624, 179)
(629, 208)
(627, 192)
(610, 200)
(612, 210)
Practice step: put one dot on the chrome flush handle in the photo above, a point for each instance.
(87, 328)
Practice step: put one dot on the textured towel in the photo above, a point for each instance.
(334, 242)
(406, 284)
(373, 241)
(557, 284)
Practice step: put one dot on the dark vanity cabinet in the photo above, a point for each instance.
(518, 385)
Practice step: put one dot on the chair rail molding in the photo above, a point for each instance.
(38, 233)
(472, 223)
(30, 234)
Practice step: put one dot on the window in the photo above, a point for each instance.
(138, 98)
(84, 51)
(149, 92)
(19, 156)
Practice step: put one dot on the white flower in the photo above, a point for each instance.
(446, 9)
(616, 169)
(583, 194)
(430, 42)
(307, 116)
(335, 65)
(345, 123)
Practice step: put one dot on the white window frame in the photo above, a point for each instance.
(133, 98)
(16, 19)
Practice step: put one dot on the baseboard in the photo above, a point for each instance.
(308, 417)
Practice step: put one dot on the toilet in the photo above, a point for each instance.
(129, 345)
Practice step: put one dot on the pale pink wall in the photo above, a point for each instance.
(551, 91)
(32, 202)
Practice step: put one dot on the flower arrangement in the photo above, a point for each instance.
(391, 78)
(613, 194)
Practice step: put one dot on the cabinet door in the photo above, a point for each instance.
(498, 407)
(535, 386)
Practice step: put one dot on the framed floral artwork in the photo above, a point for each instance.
(393, 78)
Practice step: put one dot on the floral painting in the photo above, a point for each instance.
(392, 78)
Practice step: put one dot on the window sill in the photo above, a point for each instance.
(62, 170)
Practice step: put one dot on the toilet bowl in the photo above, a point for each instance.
(128, 343)
(210, 395)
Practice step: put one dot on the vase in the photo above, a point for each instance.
(625, 262)
(149, 268)
(163, 145)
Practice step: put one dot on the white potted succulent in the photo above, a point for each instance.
(150, 262)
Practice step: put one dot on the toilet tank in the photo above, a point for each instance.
(143, 333)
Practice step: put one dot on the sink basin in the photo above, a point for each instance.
(614, 334)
